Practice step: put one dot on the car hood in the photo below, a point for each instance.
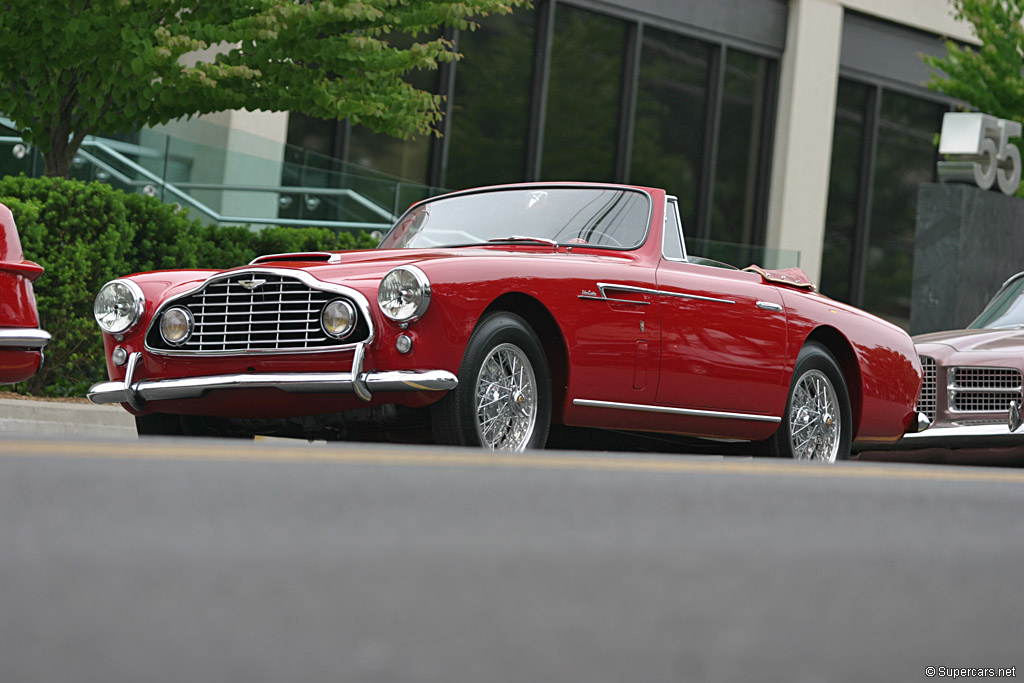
(1010, 340)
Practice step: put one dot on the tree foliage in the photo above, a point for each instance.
(988, 77)
(71, 69)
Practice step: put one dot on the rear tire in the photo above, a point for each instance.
(503, 400)
(818, 421)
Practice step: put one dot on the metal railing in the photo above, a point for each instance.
(111, 161)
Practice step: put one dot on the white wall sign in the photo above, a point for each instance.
(979, 152)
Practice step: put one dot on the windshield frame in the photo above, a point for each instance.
(528, 187)
(987, 315)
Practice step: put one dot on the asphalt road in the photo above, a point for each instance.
(160, 561)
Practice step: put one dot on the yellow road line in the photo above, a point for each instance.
(357, 454)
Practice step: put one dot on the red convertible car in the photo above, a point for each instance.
(488, 316)
(21, 340)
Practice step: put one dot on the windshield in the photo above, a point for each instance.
(599, 216)
(1005, 310)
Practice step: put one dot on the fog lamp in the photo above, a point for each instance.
(176, 325)
(338, 319)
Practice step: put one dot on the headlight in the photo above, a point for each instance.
(176, 325)
(118, 306)
(338, 319)
(404, 294)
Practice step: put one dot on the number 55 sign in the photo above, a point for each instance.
(979, 151)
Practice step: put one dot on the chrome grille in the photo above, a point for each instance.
(927, 402)
(267, 313)
(983, 390)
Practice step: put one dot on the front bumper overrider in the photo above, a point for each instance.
(136, 392)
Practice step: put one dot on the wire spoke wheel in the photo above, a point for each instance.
(506, 399)
(817, 424)
(815, 419)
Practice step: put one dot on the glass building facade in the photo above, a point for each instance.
(563, 91)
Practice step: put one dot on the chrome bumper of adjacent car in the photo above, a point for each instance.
(1009, 433)
(960, 436)
(136, 392)
(23, 338)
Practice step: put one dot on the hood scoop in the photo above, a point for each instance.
(318, 256)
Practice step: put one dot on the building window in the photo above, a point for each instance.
(490, 115)
(408, 159)
(905, 158)
(671, 105)
(842, 218)
(737, 214)
(584, 96)
(883, 148)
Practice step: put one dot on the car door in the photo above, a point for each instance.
(723, 336)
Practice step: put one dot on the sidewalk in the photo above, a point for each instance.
(64, 420)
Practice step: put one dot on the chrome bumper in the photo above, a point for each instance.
(1009, 433)
(23, 338)
(137, 392)
(963, 436)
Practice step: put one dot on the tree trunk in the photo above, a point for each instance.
(57, 161)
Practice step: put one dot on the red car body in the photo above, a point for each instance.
(633, 339)
(21, 340)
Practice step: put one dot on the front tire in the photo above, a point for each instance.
(818, 422)
(503, 400)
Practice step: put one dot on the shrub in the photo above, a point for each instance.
(85, 234)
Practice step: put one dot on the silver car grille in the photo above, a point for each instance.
(983, 390)
(257, 312)
(928, 401)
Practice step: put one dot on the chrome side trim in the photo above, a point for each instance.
(603, 286)
(23, 338)
(769, 306)
(615, 301)
(674, 411)
(297, 383)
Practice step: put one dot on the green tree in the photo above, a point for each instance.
(71, 69)
(987, 77)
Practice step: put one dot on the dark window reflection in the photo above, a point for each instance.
(584, 93)
(844, 181)
(408, 159)
(906, 157)
(491, 103)
(739, 148)
(670, 107)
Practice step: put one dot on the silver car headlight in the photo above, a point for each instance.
(118, 306)
(404, 294)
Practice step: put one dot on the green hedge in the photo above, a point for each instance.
(85, 234)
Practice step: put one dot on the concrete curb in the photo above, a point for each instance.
(66, 420)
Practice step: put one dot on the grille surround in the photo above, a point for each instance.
(928, 401)
(983, 389)
(280, 315)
